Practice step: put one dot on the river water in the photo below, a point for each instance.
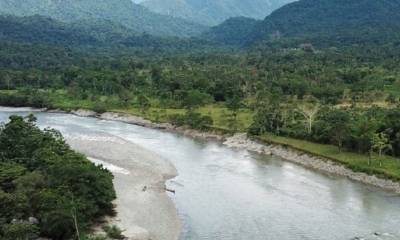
(225, 194)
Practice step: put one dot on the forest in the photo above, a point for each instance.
(47, 189)
(305, 92)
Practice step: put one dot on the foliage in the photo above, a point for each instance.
(123, 12)
(192, 119)
(42, 177)
(113, 232)
(331, 23)
(233, 32)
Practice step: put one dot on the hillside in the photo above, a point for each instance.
(123, 12)
(86, 33)
(233, 32)
(214, 12)
(332, 22)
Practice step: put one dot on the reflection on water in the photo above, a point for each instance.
(232, 195)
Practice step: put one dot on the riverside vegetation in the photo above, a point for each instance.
(345, 98)
(47, 189)
(320, 76)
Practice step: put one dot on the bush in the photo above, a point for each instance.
(192, 119)
(95, 237)
(100, 108)
(113, 232)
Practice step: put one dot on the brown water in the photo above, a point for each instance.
(223, 194)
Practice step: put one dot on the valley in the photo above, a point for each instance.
(306, 94)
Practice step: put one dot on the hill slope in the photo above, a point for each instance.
(213, 12)
(331, 22)
(123, 12)
(86, 33)
(234, 31)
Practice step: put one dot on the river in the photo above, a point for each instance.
(226, 194)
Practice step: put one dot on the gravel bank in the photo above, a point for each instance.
(243, 142)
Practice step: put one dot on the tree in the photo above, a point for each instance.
(143, 102)
(267, 119)
(194, 99)
(339, 127)
(309, 112)
(233, 104)
(380, 143)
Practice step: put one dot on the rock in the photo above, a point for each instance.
(84, 113)
(33, 220)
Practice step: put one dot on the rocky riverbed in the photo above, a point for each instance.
(242, 141)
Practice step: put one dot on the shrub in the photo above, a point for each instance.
(113, 232)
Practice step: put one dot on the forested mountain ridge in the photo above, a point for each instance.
(85, 34)
(325, 22)
(213, 12)
(123, 12)
(233, 32)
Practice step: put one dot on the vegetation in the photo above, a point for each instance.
(49, 190)
(369, 164)
(123, 13)
(319, 76)
(113, 232)
(333, 78)
(331, 23)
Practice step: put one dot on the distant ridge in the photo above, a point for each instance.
(123, 12)
(214, 12)
(331, 22)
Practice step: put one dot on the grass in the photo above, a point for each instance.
(218, 113)
(357, 162)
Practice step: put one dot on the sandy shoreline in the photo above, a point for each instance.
(144, 210)
(243, 142)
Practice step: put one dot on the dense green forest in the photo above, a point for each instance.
(323, 23)
(47, 189)
(122, 12)
(273, 85)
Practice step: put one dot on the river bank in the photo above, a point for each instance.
(243, 142)
(144, 210)
(219, 188)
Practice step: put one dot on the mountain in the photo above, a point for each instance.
(331, 22)
(233, 32)
(37, 29)
(214, 12)
(123, 12)
(86, 33)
